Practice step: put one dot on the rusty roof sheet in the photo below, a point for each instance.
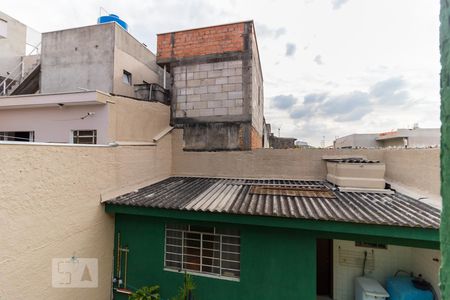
(315, 200)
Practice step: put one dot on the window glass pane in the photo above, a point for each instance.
(231, 248)
(201, 228)
(177, 226)
(17, 136)
(85, 136)
(227, 231)
(126, 77)
(231, 256)
(172, 264)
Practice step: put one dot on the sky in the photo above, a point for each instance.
(331, 67)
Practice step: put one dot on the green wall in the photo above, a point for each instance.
(275, 263)
(445, 147)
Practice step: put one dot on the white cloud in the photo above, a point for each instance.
(337, 4)
(366, 43)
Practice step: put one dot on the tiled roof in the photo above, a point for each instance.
(316, 200)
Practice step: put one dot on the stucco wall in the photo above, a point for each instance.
(417, 168)
(137, 121)
(50, 208)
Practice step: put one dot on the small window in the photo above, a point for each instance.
(17, 136)
(259, 95)
(204, 250)
(371, 245)
(85, 136)
(3, 29)
(127, 78)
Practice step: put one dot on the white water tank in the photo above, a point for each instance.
(369, 289)
(355, 172)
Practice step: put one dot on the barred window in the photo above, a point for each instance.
(84, 136)
(205, 250)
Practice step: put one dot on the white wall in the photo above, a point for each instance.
(12, 48)
(427, 263)
(54, 124)
(387, 262)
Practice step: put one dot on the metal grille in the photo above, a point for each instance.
(85, 136)
(205, 250)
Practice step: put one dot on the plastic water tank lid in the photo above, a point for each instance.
(371, 287)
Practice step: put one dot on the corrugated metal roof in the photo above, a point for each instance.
(237, 196)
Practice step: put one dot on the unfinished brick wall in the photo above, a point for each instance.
(216, 86)
(201, 41)
(256, 139)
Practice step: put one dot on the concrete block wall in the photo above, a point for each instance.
(209, 89)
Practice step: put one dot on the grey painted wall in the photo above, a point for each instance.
(13, 47)
(78, 58)
(94, 58)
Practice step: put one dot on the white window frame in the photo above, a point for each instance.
(94, 136)
(221, 236)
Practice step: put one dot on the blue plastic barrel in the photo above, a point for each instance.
(113, 18)
(402, 288)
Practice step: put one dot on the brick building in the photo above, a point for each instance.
(217, 86)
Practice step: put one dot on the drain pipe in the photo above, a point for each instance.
(364, 264)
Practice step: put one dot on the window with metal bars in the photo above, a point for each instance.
(204, 250)
(84, 136)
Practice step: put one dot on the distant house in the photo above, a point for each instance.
(401, 138)
(276, 142)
